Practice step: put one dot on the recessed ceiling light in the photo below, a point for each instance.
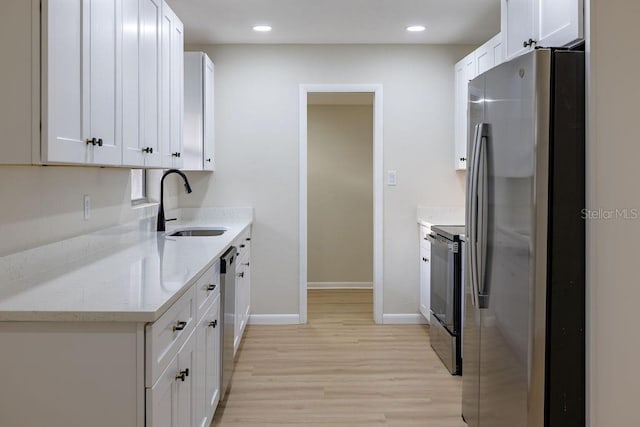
(262, 28)
(416, 28)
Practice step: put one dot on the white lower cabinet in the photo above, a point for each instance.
(171, 400)
(187, 392)
(208, 365)
(243, 289)
(425, 273)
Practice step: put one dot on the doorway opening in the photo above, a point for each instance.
(341, 201)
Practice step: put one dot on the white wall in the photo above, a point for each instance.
(257, 96)
(613, 151)
(340, 193)
(44, 204)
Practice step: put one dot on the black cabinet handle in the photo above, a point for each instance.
(463, 159)
(242, 246)
(245, 263)
(248, 239)
(240, 274)
(182, 375)
(179, 326)
(208, 160)
(211, 287)
(213, 324)
(176, 154)
(99, 142)
(94, 142)
(529, 43)
(148, 150)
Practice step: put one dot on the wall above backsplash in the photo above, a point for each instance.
(44, 204)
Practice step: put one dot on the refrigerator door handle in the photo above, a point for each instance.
(481, 223)
(472, 214)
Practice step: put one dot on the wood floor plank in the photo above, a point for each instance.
(340, 369)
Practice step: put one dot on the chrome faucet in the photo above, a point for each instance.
(187, 187)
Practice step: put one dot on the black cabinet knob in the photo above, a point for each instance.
(99, 142)
(213, 324)
(463, 159)
(148, 150)
(176, 154)
(182, 375)
(529, 43)
(211, 287)
(240, 274)
(179, 326)
(208, 160)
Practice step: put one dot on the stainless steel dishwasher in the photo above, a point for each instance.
(227, 308)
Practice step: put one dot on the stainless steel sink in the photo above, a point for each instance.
(198, 232)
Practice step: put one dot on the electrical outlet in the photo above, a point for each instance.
(87, 207)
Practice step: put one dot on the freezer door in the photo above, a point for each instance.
(511, 385)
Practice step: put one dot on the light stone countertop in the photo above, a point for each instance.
(127, 273)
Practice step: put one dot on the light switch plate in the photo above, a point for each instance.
(392, 178)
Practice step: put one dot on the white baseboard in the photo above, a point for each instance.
(274, 319)
(340, 285)
(403, 319)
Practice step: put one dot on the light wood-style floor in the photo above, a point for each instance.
(340, 370)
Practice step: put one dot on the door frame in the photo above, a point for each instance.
(378, 186)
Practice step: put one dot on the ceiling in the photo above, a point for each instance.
(338, 21)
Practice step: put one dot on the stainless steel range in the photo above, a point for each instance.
(446, 295)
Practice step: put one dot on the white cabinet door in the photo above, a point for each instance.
(64, 127)
(172, 88)
(162, 399)
(489, 54)
(425, 278)
(82, 82)
(208, 365)
(460, 109)
(560, 22)
(150, 20)
(212, 372)
(485, 58)
(465, 71)
(103, 20)
(497, 45)
(199, 128)
(132, 154)
(209, 121)
(517, 26)
(185, 378)
(177, 90)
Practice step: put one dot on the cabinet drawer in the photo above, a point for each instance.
(207, 288)
(165, 336)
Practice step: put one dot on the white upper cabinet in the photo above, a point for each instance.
(209, 123)
(477, 62)
(199, 128)
(172, 89)
(81, 86)
(489, 55)
(141, 83)
(93, 73)
(465, 70)
(527, 24)
(561, 22)
(149, 34)
(517, 26)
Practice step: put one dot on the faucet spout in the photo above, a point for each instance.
(187, 187)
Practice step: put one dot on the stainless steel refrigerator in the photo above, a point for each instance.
(524, 341)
